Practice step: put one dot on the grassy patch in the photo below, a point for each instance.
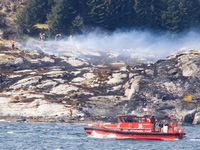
(3, 57)
(42, 26)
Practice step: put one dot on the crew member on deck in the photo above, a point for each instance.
(153, 121)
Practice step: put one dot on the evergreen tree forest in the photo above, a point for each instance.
(74, 16)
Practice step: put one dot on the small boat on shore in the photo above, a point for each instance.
(137, 127)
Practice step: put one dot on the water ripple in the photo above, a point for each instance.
(64, 136)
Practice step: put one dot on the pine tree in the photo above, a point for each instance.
(96, 13)
(189, 13)
(33, 13)
(61, 17)
(77, 24)
(148, 13)
(121, 14)
(67, 16)
(40, 9)
(171, 17)
(26, 20)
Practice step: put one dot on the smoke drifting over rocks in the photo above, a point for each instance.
(31, 81)
(143, 45)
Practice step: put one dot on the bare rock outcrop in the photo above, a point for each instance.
(173, 88)
(35, 84)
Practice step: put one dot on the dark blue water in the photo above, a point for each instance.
(64, 136)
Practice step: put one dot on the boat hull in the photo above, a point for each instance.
(134, 135)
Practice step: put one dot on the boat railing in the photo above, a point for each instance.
(157, 129)
(128, 129)
(95, 124)
(179, 130)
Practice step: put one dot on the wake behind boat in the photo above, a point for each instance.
(137, 127)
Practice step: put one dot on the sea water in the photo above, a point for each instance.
(66, 136)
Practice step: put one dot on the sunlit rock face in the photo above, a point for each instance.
(39, 84)
(173, 87)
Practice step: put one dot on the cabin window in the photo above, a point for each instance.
(130, 120)
(142, 119)
(133, 120)
(123, 119)
(136, 119)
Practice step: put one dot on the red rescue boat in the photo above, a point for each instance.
(137, 127)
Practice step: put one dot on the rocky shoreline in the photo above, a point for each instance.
(42, 87)
(43, 119)
(78, 85)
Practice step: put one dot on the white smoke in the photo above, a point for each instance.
(135, 44)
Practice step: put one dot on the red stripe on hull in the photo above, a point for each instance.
(137, 135)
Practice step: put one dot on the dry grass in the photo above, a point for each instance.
(42, 26)
(5, 42)
(3, 57)
(194, 51)
(102, 74)
(27, 100)
(115, 66)
(22, 99)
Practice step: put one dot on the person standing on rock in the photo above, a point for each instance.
(58, 36)
(13, 45)
(43, 36)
